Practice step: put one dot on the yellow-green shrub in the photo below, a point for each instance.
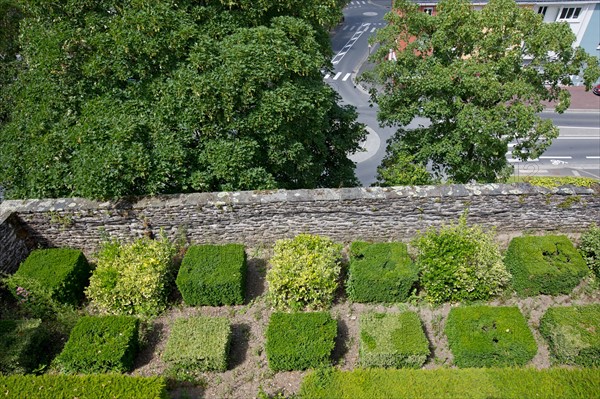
(304, 272)
(132, 278)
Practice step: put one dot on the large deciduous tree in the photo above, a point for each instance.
(480, 77)
(136, 97)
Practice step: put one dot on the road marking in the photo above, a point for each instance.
(326, 76)
(346, 77)
(337, 75)
(345, 27)
(593, 157)
(362, 29)
(576, 173)
(553, 157)
(373, 30)
(352, 27)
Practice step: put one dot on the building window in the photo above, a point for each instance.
(569, 13)
(428, 10)
(542, 10)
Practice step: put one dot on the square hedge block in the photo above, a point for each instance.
(22, 345)
(63, 272)
(573, 334)
(392, 340)
(213, 275)
(487, 336)
(298, 341)
(199, 343)
(100, 345)
(380, 272)
(544, 265)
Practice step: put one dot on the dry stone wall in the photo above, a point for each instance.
(254, 217)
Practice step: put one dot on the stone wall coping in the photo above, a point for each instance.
(271, 196)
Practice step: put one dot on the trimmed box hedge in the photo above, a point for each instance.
(97, 386)
(199, 343)
(298, 341)
(444, 383)
(22, 345)
(101, 344)
(392, 340)
(544, 265)
(381, 272)
(213, 275)
(573, 334)
(63, 272)
(487, 336)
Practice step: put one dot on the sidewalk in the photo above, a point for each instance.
(581, 100)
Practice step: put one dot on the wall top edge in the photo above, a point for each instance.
(272, 196)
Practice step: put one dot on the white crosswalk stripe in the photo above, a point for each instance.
(346, 77)
(337, 75)
(373, 30)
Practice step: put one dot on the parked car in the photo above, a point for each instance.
(596, 90)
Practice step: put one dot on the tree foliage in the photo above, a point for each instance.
(480, 77)
(147, 96)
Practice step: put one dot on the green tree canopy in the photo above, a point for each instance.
(480, 77)
(157, 96)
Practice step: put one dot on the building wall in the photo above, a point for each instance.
(252, 218)
(590, 40)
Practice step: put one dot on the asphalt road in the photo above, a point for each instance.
(575, 153)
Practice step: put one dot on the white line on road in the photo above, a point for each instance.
(373, 30)
(554, 157)
(326, 76)
(518, 160)
(346, 77)
(352, 27)
(362, 29)
(337, 75)
(345, 27)
(593, 157)
(575, 173)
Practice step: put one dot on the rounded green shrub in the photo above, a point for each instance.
(132, 278)
(304, 272)
(589, 247)
(460, 263)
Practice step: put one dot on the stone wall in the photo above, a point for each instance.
(15, 242)
(252, 217)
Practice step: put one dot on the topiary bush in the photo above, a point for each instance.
(298, 341)
(544, 265)
(101, 344)
(573, 334)
(381, 272)
(22, 346)
(589, 247)
(213, 275)
(59, 274)
(486, 336)
(304, 272)
(95, 386)
(199, 343)
(132, 278)
(459, 263)
(392, 340)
